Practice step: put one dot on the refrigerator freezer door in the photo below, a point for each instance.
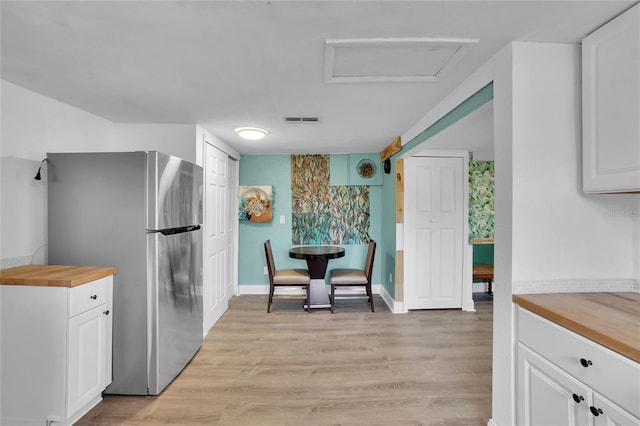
(175, 192)
(175, 302)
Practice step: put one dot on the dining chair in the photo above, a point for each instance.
(343, 277)
(284, 277)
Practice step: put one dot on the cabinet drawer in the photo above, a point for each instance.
(607, 372)
(87, 296)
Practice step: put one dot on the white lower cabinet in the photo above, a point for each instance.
(56, 351)
(87, 348)
(546, 394)
(565, 379)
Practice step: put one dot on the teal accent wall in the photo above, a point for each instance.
(265, 170)
(275, 170)
(483, 253)
(472, 103)
(387, 247)
(339, 169)
(344, 170)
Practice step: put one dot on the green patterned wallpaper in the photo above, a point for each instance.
(324, 214)
(481, 192)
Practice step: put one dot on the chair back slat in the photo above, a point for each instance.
(368, 266)
(271, 267)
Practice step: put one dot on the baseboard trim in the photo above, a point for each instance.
(258, 289)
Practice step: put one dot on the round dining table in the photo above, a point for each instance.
(317, 258)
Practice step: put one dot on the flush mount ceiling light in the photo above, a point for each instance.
(251, 133)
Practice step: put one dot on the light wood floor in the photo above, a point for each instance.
(350, 368)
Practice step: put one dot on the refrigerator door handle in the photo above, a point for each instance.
(173, 231)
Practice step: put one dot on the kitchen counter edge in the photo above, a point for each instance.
(54, 275)
(609, 319)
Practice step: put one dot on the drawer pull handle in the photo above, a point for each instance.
(94, 297)
(578, 398)
(106, 312)
(585, 362)
(595, 411)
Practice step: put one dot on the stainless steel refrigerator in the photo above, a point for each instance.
(142, 213)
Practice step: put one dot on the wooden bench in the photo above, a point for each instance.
(484, 272)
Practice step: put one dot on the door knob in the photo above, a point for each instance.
(595, 411)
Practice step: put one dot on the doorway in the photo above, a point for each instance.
(472, 134)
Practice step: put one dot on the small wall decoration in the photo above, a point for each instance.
(366, 168)
(256, 203)
(363, 169)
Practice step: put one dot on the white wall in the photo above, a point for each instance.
(503, 360)
(31, 126)
(204, 136)
(173, 139)
(546, 230)
(560, 238)
(560, 235)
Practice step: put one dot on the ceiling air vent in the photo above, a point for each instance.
(299, 120)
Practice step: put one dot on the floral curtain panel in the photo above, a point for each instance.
(481, 196)
(324, 214)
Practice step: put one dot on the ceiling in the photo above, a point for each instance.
(356, 65)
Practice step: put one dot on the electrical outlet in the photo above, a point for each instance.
(266, 271)
(282, 220)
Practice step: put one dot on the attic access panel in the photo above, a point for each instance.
(392, 59)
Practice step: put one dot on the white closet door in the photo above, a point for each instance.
(219, 241)
(434, 237)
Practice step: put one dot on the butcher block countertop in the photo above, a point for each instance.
(610, 319)
(54, 275)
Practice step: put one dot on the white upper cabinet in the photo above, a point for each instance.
(611, 105)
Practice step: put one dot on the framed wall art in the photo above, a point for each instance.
(256, 203)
